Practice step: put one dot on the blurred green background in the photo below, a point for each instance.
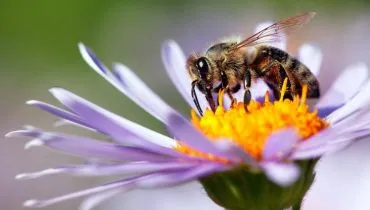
(38, 50)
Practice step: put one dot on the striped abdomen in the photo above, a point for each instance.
(274, 65)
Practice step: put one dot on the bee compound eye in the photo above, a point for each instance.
(202, 66)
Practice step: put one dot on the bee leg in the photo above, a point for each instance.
(275, 90)
(217, 91)
(210, 100)
(247, 99)
(224, 80)
(223, 86)
(269, 66)
(195, 98)
(247, 92)
(280, 73)
(230, 92)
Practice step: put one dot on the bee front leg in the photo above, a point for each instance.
(247, 92)
(210, 100)
(195, 97)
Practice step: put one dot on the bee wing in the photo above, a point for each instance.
(276, 31)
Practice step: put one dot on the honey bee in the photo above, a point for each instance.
(230, 64)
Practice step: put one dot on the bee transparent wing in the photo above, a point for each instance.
(277, 31)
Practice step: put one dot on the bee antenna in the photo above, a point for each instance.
(195, 98)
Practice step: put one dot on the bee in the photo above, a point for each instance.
(228, 65)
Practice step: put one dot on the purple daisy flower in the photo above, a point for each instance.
(148, 159)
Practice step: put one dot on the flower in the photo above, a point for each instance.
(269, 165)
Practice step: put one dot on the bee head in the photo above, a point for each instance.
(198, 68)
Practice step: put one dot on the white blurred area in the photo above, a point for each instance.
(188, 196)
(342, 181)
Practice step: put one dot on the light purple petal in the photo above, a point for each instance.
(315, 152)
(64, 122)
(94, 200)
(311, 56)
(283, 174)
(324, 112)
(111, 169)
(119, 81)
(358, 119)
(141, 93)
(334, 138)
(57, 111)
(112, 124)
(175, 178)
(281, 44)
(318, 139)
(343, 89)
(67, 117)
(123, 133)
(259, 89)
(354, 134)
(334, 132)
(123, 185)
(152, 180)
(93, 61)
(238, 96)
(186, 133)
(330, 146)
(362, 122)
(361, 100)
(120, 129)
(280, 145)
(35, 175)
(174, 63)
(239, 154)
(86, 147)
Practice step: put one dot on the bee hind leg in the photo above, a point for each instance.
(276, 68)
(247, 99)
(247, 92)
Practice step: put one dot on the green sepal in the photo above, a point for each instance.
(244, 189)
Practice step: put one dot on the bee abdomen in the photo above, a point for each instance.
(278, 54)
(303, 75)
(296, 71)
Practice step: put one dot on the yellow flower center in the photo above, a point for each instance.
(250, 129)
